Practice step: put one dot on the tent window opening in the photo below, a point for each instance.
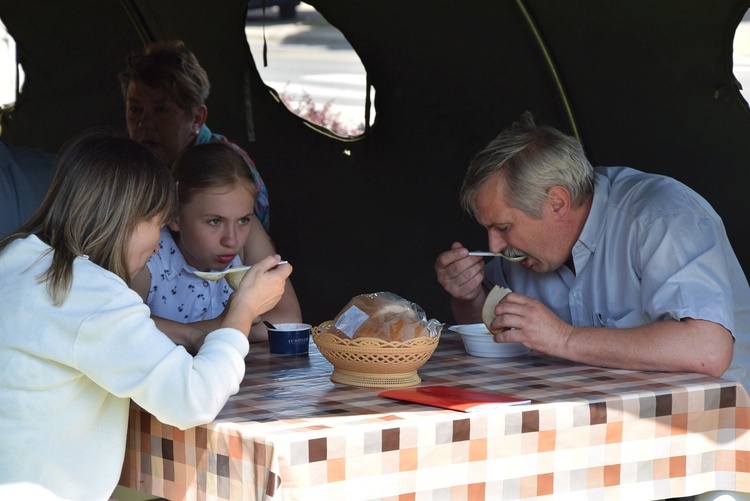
(11, 75)
(741, 55)
(313, 68)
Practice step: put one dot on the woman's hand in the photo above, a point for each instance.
(260, 290)
(257, 247)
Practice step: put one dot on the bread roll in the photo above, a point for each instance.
(382, 316)
(234, 279)
(496, 295)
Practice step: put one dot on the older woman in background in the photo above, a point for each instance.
(165, 90)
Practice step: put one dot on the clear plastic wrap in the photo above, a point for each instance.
(384, 315)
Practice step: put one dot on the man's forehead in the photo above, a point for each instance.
(491, 209)
(492, 192)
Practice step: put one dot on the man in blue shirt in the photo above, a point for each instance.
(25, 176)
(620, 268)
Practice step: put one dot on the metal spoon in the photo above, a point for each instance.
(218, 275)
(515, 259)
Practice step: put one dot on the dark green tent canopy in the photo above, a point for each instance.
(644, 84)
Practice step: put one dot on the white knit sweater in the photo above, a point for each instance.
(67, 374)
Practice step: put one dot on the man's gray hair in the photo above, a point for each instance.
(532, 159)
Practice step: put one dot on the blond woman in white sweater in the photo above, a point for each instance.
(77, 344)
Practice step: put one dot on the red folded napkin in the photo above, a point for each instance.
(456, 399)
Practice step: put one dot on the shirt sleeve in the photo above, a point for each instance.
(120, 348)
(683, 268)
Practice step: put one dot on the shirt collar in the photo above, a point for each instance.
(204, 136)
(596, 219)
(175, 263)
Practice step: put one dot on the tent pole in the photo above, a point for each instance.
(550, 65)
(136, 18)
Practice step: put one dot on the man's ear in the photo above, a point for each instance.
(559, 202)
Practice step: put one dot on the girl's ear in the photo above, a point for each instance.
(174, 224)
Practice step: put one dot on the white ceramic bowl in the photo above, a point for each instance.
(479, 342)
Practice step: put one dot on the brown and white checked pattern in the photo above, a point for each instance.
(590, 433)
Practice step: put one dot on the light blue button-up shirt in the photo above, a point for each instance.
(651, 249)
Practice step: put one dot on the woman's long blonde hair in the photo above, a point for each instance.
(103, 187)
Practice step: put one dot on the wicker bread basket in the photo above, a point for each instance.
(372, 362)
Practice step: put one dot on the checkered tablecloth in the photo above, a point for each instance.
(589, 433)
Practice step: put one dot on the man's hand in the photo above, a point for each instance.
(532, 324)
(460, 275)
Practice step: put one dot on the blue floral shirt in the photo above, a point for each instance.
(176, 293)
